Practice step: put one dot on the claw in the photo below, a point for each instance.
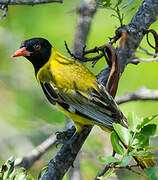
(61, 137)
(56, 144)
(68, 138)
(64, 136)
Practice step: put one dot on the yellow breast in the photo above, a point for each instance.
(66, 73)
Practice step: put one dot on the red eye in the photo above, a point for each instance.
(37, 47)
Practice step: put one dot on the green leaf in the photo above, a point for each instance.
(20, 174)
(115, 143)
(126, 4)
(149, 130)
(146, 121)
(9, 167)
(139, 153)
(8, 172)
(42, 172)
(140, 141)
(126, 160)
(111, 159)
(107, 3)
(123, 133)
(133, 121)
(29, 177)
(151, 173)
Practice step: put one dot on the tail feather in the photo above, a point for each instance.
(144, 161)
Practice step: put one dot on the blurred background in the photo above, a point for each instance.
(26, 118)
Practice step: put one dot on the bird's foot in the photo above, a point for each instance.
(64, 136)
(68, 138)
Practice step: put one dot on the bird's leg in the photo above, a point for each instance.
(65, 135)
(72, 141)
(73, 138)
(68, 138)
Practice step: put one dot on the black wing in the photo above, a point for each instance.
(49, 93)
(99, 107)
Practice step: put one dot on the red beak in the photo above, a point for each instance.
(21, 52)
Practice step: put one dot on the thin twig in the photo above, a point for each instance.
(82, 58)
(114, 165)
(141, 94)
(147, 51)
(4, 4)
(32, 3)
(137, 60)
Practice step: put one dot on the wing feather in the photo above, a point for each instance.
(96, 105)
(49, 93)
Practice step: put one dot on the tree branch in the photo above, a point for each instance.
(86, 12)
(4, 4)
(36, 153)
(32, 2)
(137, 60)
(64, 159)
(141, 94)
(144, 17)
(113, 165)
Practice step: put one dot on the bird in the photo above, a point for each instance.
(72, 87)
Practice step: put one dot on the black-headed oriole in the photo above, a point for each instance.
(72, 87)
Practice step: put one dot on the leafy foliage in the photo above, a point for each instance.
(7, 172)
(117, 7)
(136, 140)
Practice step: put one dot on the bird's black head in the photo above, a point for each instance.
(36, 50)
